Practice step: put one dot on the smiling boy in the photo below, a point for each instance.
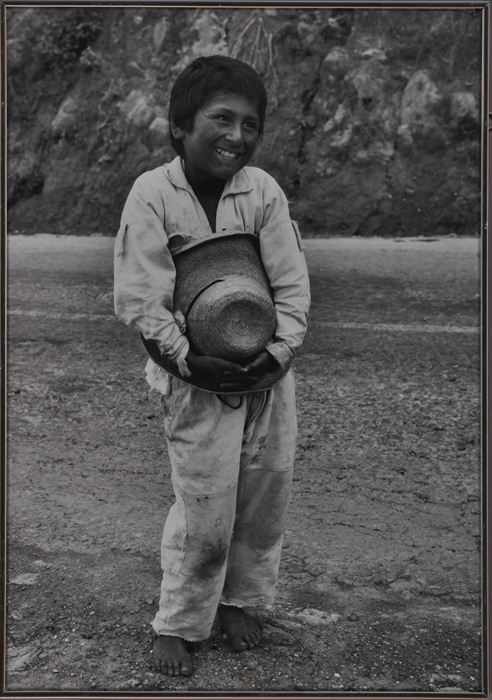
(231, 462)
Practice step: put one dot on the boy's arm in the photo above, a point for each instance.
(144, 275)
(285, 265)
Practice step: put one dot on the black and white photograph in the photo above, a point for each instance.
(245, 359)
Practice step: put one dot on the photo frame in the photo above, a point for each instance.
(377, 132)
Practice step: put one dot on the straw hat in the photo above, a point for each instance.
(223, 293)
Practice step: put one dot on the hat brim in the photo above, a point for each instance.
(265, 383)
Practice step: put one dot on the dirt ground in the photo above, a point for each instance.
(380, 584)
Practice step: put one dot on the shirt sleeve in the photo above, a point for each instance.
(285, 265)
(144, 274)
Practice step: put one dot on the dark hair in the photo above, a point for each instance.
(207, 76)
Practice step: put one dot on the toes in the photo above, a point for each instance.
(186, 669)
(250, 643)
(254, 638)
(239, 644)
(243, 630)
(171, 658)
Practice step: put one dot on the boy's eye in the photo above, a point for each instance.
(251, 126)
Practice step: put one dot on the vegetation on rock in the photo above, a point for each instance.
(374, 122)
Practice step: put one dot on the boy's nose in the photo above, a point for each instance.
(235, 133)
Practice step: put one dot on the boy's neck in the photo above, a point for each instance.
(206, 186)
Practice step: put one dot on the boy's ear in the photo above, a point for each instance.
(176, 131)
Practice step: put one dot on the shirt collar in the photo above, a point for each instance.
(238, 184)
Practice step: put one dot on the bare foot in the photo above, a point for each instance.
(244, 631)
(171, 657)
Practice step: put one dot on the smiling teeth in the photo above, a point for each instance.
(227, 154)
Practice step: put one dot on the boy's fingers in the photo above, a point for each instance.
(252, 365)
(260, 364)
(233, 368)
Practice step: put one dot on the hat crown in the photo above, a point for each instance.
(223, 292)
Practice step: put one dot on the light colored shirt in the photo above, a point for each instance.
(162, 215)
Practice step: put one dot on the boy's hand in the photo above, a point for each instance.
(261, 365)
(228, 376)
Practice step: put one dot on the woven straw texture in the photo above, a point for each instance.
(232, 318)
(223, 292)
(214, 259)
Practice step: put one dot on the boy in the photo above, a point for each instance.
(231, 462)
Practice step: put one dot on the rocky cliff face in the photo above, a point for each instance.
(373, 127)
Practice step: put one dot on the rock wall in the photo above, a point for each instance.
(373, 127)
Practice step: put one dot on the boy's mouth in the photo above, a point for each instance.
(228, 155)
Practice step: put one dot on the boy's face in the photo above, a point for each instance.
(225, 133)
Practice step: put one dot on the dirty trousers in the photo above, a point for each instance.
(231, 470)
